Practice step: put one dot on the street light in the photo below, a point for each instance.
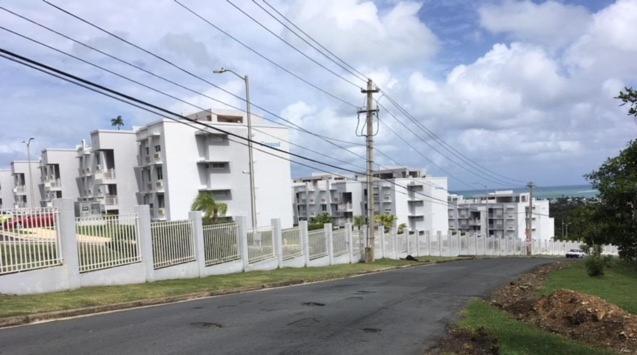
(28, 143)
(253, 203)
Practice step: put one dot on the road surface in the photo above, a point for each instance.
(396, 312)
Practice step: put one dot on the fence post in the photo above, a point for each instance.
(381, 238)
(329, 241)
(439, 236)
(242, 241)
(394, 241)
(348, 237)
(305, 242)
(197, 234)
(277, 240)
(68, 241)
(417, 243)
(145, 240)
(428, 235)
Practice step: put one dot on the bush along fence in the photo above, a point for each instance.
(49, 249)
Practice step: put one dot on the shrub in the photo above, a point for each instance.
(594, 266)
(608, 260)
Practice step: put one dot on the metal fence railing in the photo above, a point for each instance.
(107, 241)
(291, 240)
(29, 239)
(220, 243)
(260, 245)
(173, 243)
(317, 244)
(339, 242)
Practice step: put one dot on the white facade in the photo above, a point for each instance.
(501, 214)
(177, 161)
(6, 189)
(58, 173)
(337, 196)
(106, 176)
(417, 201)
(26, 177)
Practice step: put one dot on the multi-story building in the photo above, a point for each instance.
(335, 195)
(418, 201)
(500, 214)
(6, 189)
(26, 177)
(175, 162)
(58, 172)
(106, 177)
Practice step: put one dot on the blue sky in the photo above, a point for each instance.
(523, 88)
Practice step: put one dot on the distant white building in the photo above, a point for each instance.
(26, 177)
(175, 162)
(500, 214)
(58, 173)
(416, 200)
(6, 189)
(335, 195)
(106, 176)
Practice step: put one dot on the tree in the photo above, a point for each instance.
(320, 220)
(359, 221)
(211, 209)
(615, 217)
(386, 220)
(117, 122)
(629, 96)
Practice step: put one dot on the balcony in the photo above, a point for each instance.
(20, 189)
(104, 175)
(160, 185)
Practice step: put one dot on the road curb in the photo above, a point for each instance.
(76, 312)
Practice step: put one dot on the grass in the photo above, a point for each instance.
(617, 286)
(11, 305)
(516, 337)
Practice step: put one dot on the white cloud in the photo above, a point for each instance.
(549, 23)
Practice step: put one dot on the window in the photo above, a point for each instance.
(323, 208)
(160, 173)
(219, 165)
(147, 150)
(158, 148)
(230, 119)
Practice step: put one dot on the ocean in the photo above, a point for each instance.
(542, 192)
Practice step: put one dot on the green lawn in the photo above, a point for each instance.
(516, 337)
(618, 285)
(99, 296)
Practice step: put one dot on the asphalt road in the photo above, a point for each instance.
(397, 312)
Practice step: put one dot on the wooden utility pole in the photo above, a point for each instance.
(529, 221)
(369, 140)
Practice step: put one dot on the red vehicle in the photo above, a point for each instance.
(44, 220)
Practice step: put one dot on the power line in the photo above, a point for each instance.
(157, 110)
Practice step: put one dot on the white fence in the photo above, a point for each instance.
(49, 249)
(221, 243)
(173, 243)
(260, 245)
(107, 241)
(292, 247)
(29, 240)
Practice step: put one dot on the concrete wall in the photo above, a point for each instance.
(6, 189)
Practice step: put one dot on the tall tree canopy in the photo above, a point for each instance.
(628, 96)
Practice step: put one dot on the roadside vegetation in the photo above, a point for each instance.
(171, 290)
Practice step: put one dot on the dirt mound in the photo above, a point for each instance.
(582, 316)
(464, 342)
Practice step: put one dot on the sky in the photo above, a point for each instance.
(522, 89)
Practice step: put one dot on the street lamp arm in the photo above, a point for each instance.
(224, 70)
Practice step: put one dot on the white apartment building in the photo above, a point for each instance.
(500, 214)
(58, 173)
(176, 162)
(416, 200)
(6, 189)
(106, 176)
(341, 198)
(26, 177)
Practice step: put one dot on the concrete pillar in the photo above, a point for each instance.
(394, 241)
(348, 237)
(407, 241)
(277, 240)
(242, 241)
(68, 241)
(305, 242)
(196, 218)
(439, 236)
(428, 236)
(145, 240)
(381, 237)
(329, 242)
(475, 244)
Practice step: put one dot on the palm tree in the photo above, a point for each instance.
(359, 221)
(386, 220)
(211, 209)
(117, 122)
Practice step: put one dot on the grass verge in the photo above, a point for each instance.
(516, 337)
(618, 285)
(172, 290)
